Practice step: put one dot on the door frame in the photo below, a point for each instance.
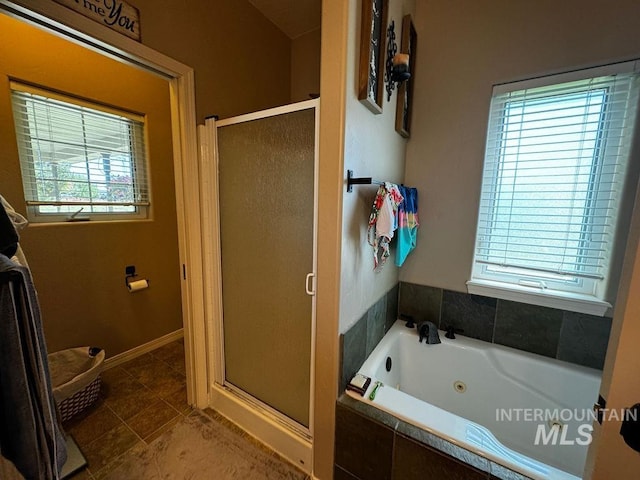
(66, 23)
(286, 437)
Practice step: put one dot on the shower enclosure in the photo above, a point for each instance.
(263, 339)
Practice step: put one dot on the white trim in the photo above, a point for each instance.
(564, 77)
(35, 217)
(212, 267)
(294, 428)
(314, 298)
(140, 350)
(271, 112)
(190, 237)
(68, 24)
(573, 302)
(259, 423)
(22, 87)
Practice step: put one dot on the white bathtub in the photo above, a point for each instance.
(456, 389)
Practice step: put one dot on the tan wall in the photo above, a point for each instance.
(372, 148)
(305, 65)
(242, 62)
(79, 268)
(609, 457)
(464, 48)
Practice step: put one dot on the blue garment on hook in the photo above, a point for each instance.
(407, 223)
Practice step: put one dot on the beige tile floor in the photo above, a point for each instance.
(140, 400)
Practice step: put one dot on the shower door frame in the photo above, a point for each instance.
(286, 436)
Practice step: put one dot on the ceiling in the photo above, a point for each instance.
(293, 17)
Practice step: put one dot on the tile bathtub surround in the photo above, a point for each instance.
(341, 474)
(359, 341)
(420, 302)
(568, 336)
(376, 322)
(353, 351)
(372, 444)
(584, 339)
(392, 307)
(473, 314)
(414, 461)
(362, 447)
(528, 327)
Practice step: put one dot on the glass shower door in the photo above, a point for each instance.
(266, 194)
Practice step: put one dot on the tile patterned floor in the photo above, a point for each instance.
(140, 401)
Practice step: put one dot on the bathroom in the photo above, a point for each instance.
(464, 48)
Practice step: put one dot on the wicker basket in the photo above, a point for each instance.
(80, 400)
(75, 378)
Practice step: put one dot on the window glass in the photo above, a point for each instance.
(79, 160)
(555, 165)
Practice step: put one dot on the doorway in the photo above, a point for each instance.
(180, 79)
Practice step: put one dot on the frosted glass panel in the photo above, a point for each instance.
(266, 213)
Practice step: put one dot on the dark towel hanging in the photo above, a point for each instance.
(30, 433)
(8, 236)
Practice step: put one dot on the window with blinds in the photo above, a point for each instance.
(79, 160)
(555, 164)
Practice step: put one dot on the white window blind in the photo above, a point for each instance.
(76, 156)
(555, 165)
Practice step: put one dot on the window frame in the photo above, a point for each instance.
(580, 294)
(139, 164)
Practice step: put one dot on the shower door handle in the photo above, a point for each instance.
(309, 289)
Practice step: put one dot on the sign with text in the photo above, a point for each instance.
(115, 14)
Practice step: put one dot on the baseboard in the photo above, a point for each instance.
(142, 349)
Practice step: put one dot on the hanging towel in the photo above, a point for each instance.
(19, 222)
(407, 223)
(8, 234)
(30, 433)
(383, 222)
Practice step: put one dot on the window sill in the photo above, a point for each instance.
(573, 302)
(37, 224)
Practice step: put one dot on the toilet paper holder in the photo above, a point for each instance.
(130, 282)
(130, 273)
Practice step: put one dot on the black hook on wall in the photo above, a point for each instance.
(351, 181)
(130, 273)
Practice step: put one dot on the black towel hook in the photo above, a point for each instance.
(351, 181)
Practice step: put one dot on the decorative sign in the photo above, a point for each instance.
(115, 14)
(373, 27)
(405, 90)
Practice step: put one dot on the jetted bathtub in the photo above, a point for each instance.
(488, 399)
